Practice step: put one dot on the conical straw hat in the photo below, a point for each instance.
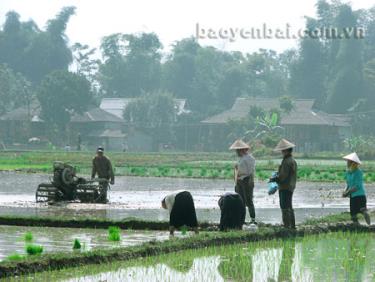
(284, 145)
(353, 157)
(239, 144)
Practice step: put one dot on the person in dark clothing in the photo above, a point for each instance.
(102, 166)
(233, 211)
(180, 205)
(286, 179)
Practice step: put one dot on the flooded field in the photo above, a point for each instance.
(329, 257)
(140, 197)
(61, 239)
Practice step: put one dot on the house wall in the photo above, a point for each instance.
(313, 138)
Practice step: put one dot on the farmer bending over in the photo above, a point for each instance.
(233, 211)
(355, 188)
(181, 211)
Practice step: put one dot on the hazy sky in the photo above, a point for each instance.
(172, 19)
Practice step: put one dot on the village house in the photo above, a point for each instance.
(312, 130)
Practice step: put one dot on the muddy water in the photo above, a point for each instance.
(140, 197)
(61, 239)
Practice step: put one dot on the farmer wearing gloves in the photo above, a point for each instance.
(286, 179)
(244, 175)
(233, 211)
(355, 188)
(180, 205)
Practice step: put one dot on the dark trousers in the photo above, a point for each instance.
(357, 205)
(245, 188)
(285, 198)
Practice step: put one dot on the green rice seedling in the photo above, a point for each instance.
(15, 257)
(184, 230)
(33, 250)
(189, 172)
(76, 244)
(203, 171)
(114, 233)
(28, 237)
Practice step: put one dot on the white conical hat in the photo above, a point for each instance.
(353, 157)
(284, 145)
(239, 144)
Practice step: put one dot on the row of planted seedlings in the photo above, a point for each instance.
(32, 249)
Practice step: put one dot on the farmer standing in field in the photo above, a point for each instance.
(286, 179)
(244, 172)
(180, 205)
(355, 188)
(102, 166)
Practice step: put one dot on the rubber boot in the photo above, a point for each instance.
(366, 216)
(285, 217)
(292, 219)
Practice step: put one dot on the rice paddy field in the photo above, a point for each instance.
(180, 165)
(327, 257)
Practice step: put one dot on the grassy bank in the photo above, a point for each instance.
(33, 264)
(133, 223)
(129, 223)
(182, 165)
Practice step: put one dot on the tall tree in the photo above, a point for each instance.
(346, 81)
(131, 64)
(62, 94)
(309, 71)
(156, 114)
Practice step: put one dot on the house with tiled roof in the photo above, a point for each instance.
(311, 129)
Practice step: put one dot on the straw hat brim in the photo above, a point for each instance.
(284, 145)
(239, 145)
(352, 157)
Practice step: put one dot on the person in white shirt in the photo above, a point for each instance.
(180, 205)
(244, 175)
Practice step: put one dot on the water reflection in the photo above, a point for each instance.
(334, 257)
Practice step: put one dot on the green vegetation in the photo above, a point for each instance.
(33, 250)
(28, 237)
(15, 257)
(184, 165)
(114, 233)
(77, 244)
(327, 257)
(202, 241)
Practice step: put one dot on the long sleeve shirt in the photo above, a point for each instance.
(287, 174)
(103, 167)
(354, 179)
(246, 166)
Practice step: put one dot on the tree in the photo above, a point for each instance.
(15, 90)
(346, 81)
(309, 71)
(62, 94)
(131, 64)
(286, 104)
(156, 114)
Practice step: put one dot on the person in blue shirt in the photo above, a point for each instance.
(355, 188)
